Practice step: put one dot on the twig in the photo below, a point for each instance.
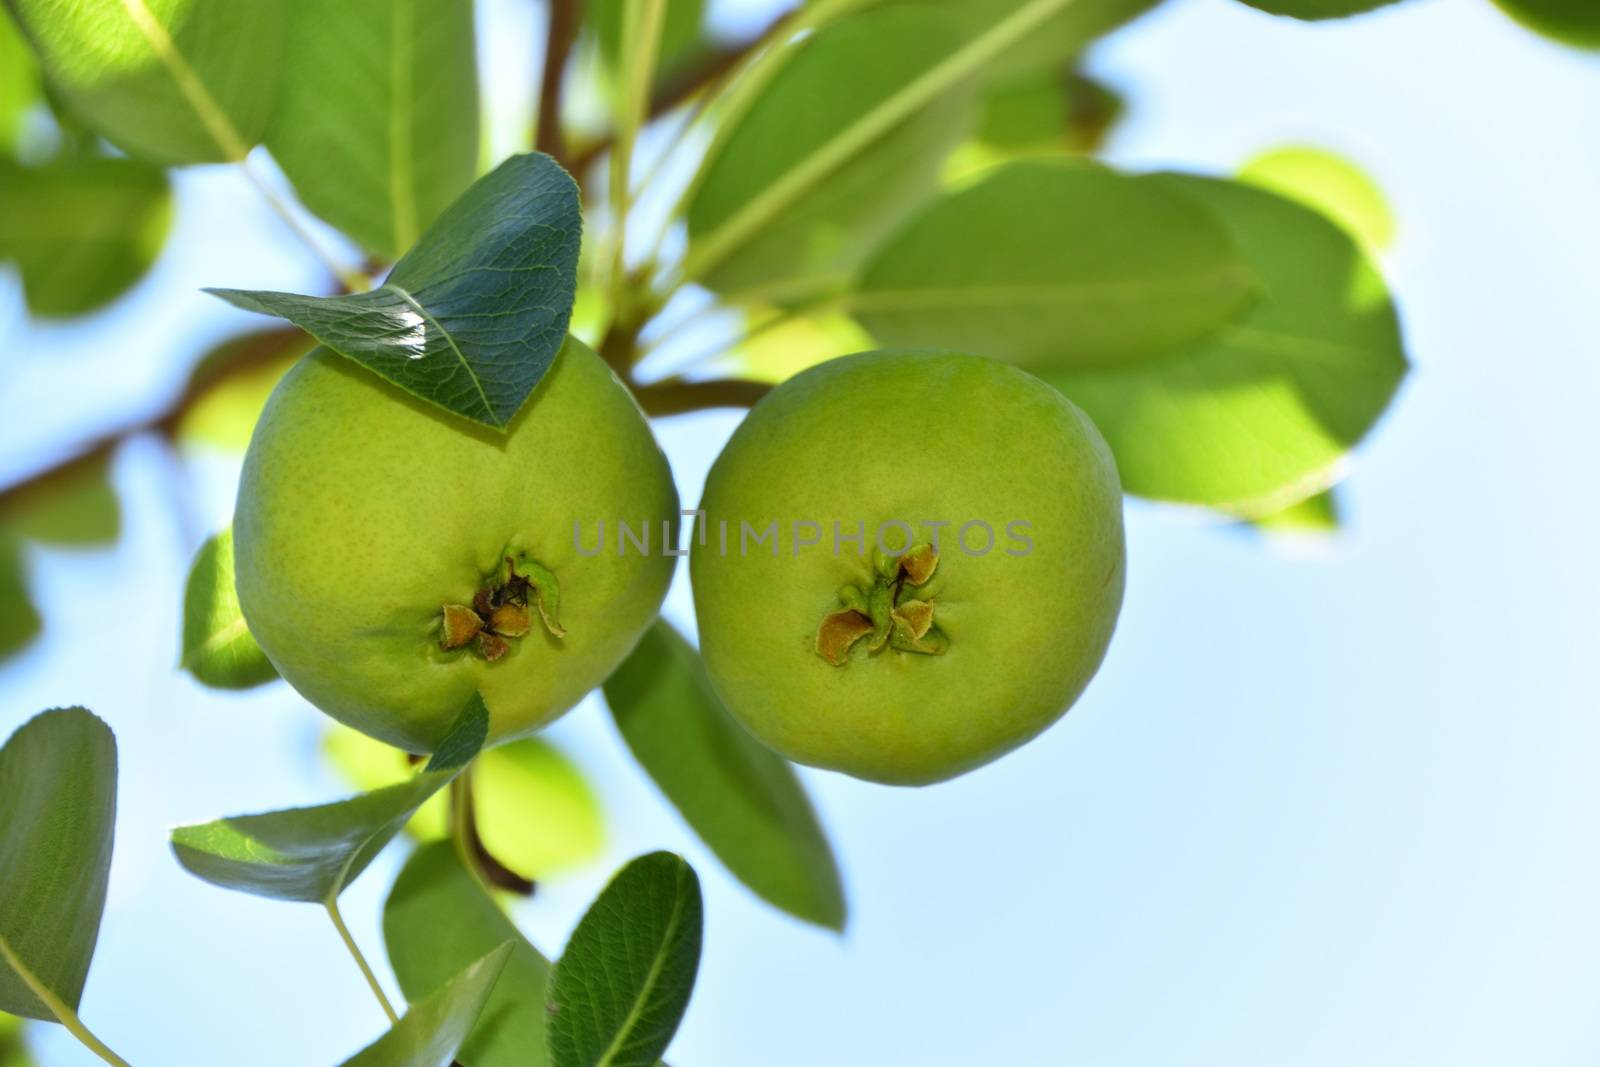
(561, 31)
(676, 397)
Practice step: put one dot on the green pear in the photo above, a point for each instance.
(942, 570)
(391, 558)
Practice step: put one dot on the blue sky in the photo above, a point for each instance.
(1326, 804)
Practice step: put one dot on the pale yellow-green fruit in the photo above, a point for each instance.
(363, 511)
(1017, 631)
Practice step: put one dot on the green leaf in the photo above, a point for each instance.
(19, 619)
(1051, 111)
(536, 812)
(171, 81)
(58, 805)
(433, 1031)
(680, 31)
(217, 647)
(471, 318)
(618, 992)
(1575, 22)
(312, 854)
(377, 121)
(845, 139)
(19, 92)
(73, 507)
(1327, 183)
(1317, 9)
(1051, 264)
(1057, 41)
(1262, 413)
(1317, 514)
(82, 231)
(436, 917)
(366, 763)
(746, 803)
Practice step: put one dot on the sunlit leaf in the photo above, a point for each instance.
(230, 385)
(171, 81)
(368, 764)
(377, 120)
(743, 801)
(471, 318)
(19, 92)
(433, 1031)
(81, 231)
(217, 647)
(1327, 183)
(58, 803)
(1262, 413)
(1574, 22)
(1317, 514)
(435, 919)
(19, 619)
(618, 992)
(536, 812)
(1317, 9)
(1054, 264)
(312, 854)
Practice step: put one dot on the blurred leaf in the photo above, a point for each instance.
(171, 81)
(230, 385)
(830, 154)
(19, 92)
(1054, 111)
(13, 1051)
(377, 121)
(312, 854)
(618, 992)
(746, 803)
(435, 1028)
(435, 918)
(1327, 183)
(779, 347)
(1058, 40)
(82, 231)
(1054, 264)
(58, 805)
(472, 317)
(680, 32)
(1575, 22)
(1315, 514)
(74, 507)
(217, 647)
(536, 812)
(1260, 414)
(368, 764)
(19, 619)
(1317, 9)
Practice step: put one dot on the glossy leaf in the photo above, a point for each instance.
(471, 318)
(435, 919)
(746, 803)
(74, 507)
(312, 854)
(377, 120)
(171, 81)
(19, 92)
(81, 231)
(1574, 22)
(619, 990)
(433, 1031)
(1317, 9)
(1053, 264)
(1262, 413)
(58, 805)
(217, 647)
(825, 159)
(1329, 184)
(19, 619)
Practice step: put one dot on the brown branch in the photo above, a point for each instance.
(561, 32)
(679, 397)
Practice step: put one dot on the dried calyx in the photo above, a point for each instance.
(502, 610)
(894, 612)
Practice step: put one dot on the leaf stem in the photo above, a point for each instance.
(332, 904)
(641, 43)
(64, 1014)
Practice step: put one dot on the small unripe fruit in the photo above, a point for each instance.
(979, 599)
(392, 558)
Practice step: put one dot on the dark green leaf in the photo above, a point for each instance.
(180, 81)
(618, 992)
(19, 619)
(75, 506)
(746, 803)
(1575, 22)
(433, 1031)
(19, 92)
(312, 854)
(1317, 9)
(81, 231)
(821, 164)
(436, 918)
(1262, 413)
(217, 647)
(58, 805)
(377, 122)
(1051, 264)
(472, 317)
